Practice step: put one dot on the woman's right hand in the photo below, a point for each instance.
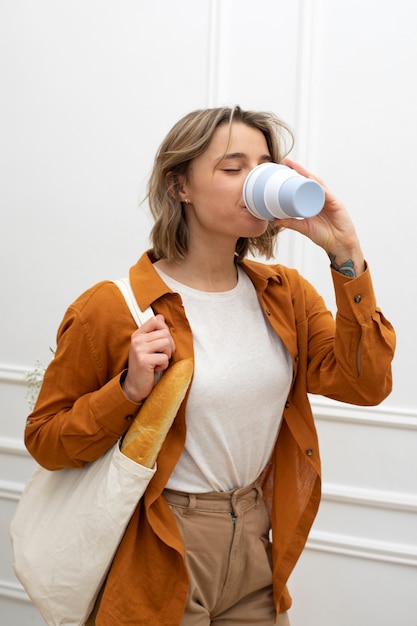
(151, 348)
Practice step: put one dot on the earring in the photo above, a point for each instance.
(187, 201)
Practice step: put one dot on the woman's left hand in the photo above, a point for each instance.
(332, 229)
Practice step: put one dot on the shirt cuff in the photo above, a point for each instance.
(112, 410)
(355, 296)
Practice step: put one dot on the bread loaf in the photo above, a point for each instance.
(144, 439)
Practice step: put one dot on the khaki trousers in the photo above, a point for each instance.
(228, 557)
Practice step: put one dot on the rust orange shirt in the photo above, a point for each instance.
(82, 411)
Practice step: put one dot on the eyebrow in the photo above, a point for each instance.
(242, 155)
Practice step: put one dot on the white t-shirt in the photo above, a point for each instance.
(242, 375)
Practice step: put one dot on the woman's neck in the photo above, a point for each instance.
(214, 273)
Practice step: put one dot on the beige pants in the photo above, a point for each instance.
(228, 557)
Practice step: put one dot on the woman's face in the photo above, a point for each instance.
(214, 184)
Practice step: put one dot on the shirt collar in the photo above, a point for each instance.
(146, 283)
(148, 286)
(261, 273)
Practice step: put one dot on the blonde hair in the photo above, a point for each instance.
(188, 138)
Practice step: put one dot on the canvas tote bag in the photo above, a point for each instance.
(69, 523)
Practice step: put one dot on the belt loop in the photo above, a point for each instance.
(259, 494)
(192, 503)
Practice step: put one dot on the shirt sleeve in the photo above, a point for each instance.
(354, 363)
(81, 410)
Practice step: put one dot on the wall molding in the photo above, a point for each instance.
(14, 446)
(215, 25)
(342, 545)
(13, 374)
(357, 496)
(304, 113)
(342, 494)
(323, 408)
(306, 74)
(328, 410)
(357, 547)
(11, 490)
(13, 591)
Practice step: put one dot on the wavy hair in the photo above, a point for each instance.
(188, 138)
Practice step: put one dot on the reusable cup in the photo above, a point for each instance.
(273, 191)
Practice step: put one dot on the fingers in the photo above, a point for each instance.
(151, 349)
(152, 344)
(303, 171)
(328, 227)
(332, 203)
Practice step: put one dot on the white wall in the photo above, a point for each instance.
(88, 90)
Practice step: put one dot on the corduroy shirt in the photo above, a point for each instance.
(82, 411)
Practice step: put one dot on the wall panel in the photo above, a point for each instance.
(89, 90)
(362, 139)
(346, 589)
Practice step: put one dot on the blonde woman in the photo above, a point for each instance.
(237, 487)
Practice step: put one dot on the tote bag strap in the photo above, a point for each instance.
(139, 316)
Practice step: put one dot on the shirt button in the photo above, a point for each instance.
(357, 298)
(309, 452)
(129, 417)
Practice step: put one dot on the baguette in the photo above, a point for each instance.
(145, 436)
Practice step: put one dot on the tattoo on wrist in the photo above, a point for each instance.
(347, 268)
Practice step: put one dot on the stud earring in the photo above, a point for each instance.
(187, 201)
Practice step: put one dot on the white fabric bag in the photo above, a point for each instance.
(69, 522)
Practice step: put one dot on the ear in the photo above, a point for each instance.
(182, 189)
(176, 186)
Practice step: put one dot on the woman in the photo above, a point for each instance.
(242, 456)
